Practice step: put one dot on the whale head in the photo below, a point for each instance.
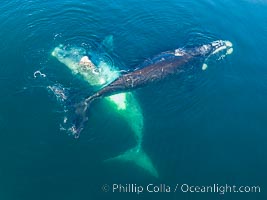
(222, 47)
(218, 47)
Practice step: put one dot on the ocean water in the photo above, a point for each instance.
(204, 129)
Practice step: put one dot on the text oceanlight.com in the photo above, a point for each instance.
(180, 188)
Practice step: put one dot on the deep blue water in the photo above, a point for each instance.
(207, 129)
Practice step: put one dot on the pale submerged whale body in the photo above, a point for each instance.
(123, 104)
(118, 87)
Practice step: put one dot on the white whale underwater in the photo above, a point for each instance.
(125, 104)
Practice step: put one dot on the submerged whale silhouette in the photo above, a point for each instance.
(124, 104)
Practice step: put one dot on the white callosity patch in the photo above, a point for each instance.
(85, 59)
(228, 43)
(219, 49)
(179, 52)
(204, 66)
(217, 43)
(229, 51)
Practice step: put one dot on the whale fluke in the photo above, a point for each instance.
(137, 156)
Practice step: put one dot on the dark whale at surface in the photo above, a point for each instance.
(156, 69)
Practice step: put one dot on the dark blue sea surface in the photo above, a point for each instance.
(204, 129)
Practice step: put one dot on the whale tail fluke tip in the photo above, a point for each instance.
(137, 156)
